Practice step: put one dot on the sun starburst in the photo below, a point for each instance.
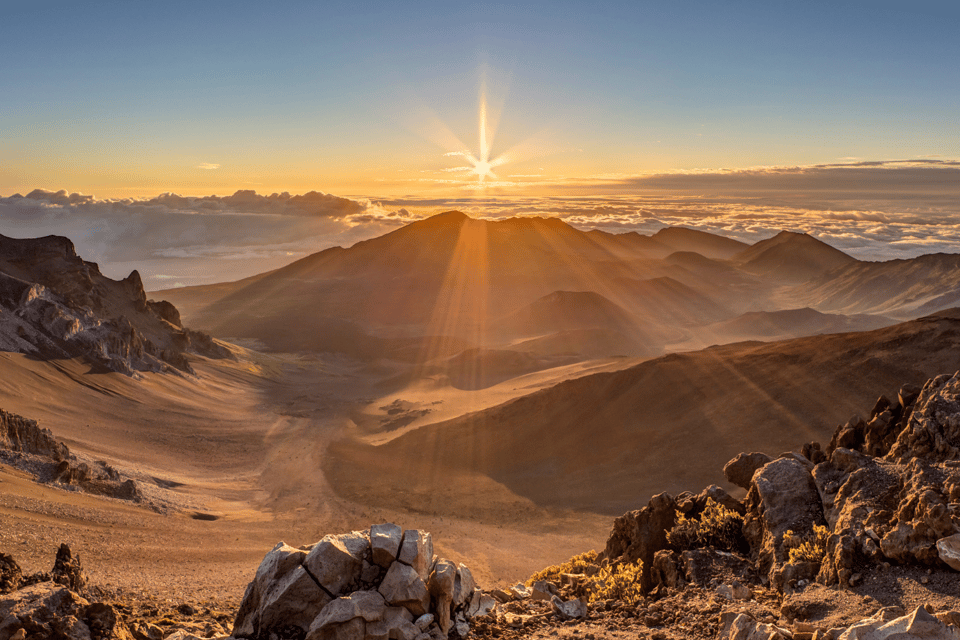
(481, 164)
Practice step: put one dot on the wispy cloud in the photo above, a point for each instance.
(209, 166)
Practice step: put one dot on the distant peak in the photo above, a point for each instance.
(453, 215)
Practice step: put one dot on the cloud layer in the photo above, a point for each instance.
(872, 210)
(196, 239)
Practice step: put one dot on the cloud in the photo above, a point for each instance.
(875, 210)
(208, 166)
(254, 232)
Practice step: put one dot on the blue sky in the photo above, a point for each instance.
(127, 98)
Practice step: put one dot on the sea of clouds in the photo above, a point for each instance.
(874, 211)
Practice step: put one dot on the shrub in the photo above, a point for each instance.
(576, 564)
(617, 582)
(717, 527)
(809, 548)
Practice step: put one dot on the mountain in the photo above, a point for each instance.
(693, 240)
(901, 288)
(667, 303)
(608, 441)
(447, 276)
(53, 304)
(792, 257)
(791, 323)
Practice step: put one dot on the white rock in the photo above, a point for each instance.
(416, 550)
(403, 587)
(333, 564)
(481, 604)
(463, 586)
(569, 609)
(424, 621)
(919, 624)
(368, 605)
(354, 629)
(281, 593)
(520, 591)
(385, 542)
(949, 550)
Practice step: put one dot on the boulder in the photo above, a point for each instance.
(740, 470)
(917, 625)
(402, 587)
(933, 430)
(638, 535)
(742, 626)
(783, 497)
(10, 574)
(50, 610)
(542, 590)
(396, 625)
(569, 609)
(281, 594)
(368, 605)
(480, 604)
(463, 586)
(336, 562)
(443, 581)
(416, 550)
(949, 551)
(665, 568)
(353, 629)
(385, 543)
(49, 605)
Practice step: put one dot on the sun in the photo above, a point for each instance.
(481, 165)
(484, 170)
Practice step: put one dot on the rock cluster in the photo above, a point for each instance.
(50, 606)
(886, 625)
(366, 585)
(53, 304)
(884, 490)
(25, 445)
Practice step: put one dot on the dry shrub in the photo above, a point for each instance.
(718, 527)
(809, 548)
(576, 564)
(616, 582)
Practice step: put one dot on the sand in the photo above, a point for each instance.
(244, 445)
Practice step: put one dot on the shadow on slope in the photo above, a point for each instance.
(606, 442)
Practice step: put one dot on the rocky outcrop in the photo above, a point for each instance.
(783, 498)
(51, 606)
(638, 535)
(740, 470)
(364, 585)
(53, 304)
(25, 436)
(885, 489)
(933, 429)
(23, 444)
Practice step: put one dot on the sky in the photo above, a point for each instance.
(837, 118)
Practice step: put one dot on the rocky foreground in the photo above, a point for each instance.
(855, 540)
